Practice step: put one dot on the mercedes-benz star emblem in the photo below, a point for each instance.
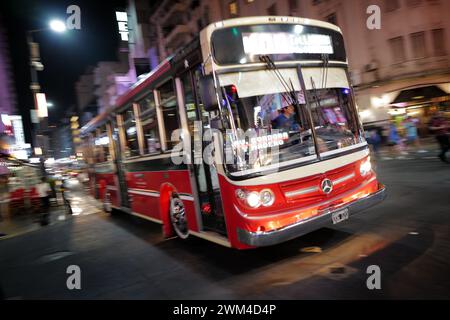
(327, 186)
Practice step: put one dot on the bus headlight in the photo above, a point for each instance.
(253, 199)
(365, 167)
(267, 197)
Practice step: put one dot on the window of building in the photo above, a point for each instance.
(418, 44)
(397, 49)
(391, 5)
(438, 42)
(206, 15)
(233, 8)
(130, 130)
(149, 122)
(293, 7)
(332, 18)
(272, 10)
(169, 111)
(195, 4)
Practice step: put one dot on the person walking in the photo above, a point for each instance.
(43, 189)
(412, 137)
(374, 140)
(394, 138)
(439, 126)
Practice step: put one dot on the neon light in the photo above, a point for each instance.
(41, 102)
(122, 21)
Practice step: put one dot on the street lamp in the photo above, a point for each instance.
(57, 25)
(36, 65)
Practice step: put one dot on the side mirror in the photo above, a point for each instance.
(208, 93)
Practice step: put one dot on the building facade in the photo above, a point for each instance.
(87, 107)
(107, 83)
(7, 92)
(401, 69)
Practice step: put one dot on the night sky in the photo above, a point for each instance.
(65, 56)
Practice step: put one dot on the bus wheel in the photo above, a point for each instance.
(178, 217)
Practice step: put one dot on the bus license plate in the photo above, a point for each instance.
(339, 216)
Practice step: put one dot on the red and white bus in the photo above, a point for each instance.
(243, 86)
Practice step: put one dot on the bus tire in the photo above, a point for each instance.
(177, 213)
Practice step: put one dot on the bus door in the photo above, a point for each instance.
(118, 161)
(205, 176)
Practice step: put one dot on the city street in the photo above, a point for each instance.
(124, 257)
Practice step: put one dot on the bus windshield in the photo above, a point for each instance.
(333, 118)
(272, 132)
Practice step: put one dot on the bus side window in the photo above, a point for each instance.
(88, 150)
(130, 130)
(149, 124)
(168, 105)
(189, 101)
(101, 142)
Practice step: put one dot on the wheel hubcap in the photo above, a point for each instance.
(178, 217)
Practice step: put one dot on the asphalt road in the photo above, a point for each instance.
(123, 257)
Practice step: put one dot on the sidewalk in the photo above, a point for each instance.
(17, 225)
(81, 204)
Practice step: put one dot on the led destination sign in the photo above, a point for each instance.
(286, 43)
(282, 42)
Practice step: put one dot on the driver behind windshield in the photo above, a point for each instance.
(286, 119)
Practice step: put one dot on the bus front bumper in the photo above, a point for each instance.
(261, 239)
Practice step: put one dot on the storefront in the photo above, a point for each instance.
(18, 180)
(421, 104)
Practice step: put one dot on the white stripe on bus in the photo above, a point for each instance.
(144, 192)
(299, 172)
(153, 193)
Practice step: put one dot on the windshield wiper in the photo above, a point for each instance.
(324, 70)
(316, 98)
(290, 97)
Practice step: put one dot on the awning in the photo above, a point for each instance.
(419, 94)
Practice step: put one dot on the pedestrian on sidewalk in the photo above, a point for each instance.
(439, 126)
(395, 140)
(412, 137)
(44, 191)
(374, 140)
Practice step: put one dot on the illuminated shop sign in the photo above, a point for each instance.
(16, 122)
(122, 21)
(286, 43)
(41, 102)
